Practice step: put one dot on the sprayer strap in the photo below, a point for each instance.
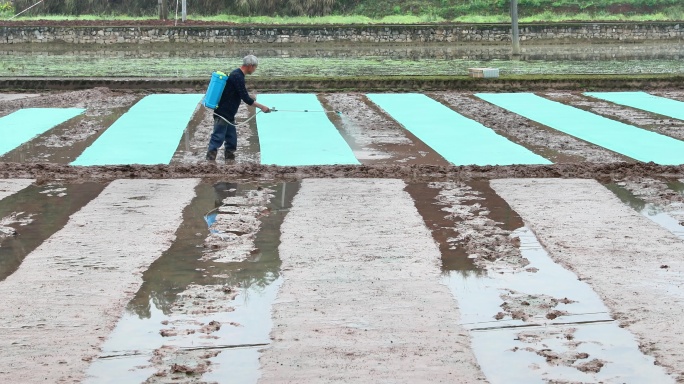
(235, 125)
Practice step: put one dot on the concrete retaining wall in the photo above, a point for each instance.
(481, 33)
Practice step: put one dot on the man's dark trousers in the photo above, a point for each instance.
(223, 132)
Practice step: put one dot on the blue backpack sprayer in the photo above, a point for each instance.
(215, 90)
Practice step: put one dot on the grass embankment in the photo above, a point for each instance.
(387, 20)
(359, 11)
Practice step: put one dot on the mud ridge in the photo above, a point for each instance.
(46, 172)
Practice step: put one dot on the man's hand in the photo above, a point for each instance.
(265, 109)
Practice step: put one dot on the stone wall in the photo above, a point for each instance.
(481, 33)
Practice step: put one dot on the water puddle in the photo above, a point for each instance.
(653, 212)
(36, 213)
(542, 325)
(677, 186)
(425, 198)
(65, 142)
(498, 208)
(158, 332)
(530, 320)
(436, 215)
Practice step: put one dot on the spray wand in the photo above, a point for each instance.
(305, 110)
(339, 113)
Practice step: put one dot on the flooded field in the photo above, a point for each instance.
(202, 308)
(177, 60)
(405, 267)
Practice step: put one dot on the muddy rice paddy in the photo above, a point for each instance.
(402, 269)
(339, 60)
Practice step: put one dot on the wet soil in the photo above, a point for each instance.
(657, 195)
(193, 146)
(75, 284)
(549, 143)
(589, 231)
(420, 173)
(203, 298)
(32, 215)
(385, 148)
(65, 142)
(471, 224)
(98, 100)
(375, 137)
(352, 274)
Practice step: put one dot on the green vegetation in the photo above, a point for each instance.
(403, 19)
(366, 11)
(456, 9)
(6, 9)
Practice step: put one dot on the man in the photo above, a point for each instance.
(233, 94)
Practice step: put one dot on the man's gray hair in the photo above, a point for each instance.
(250, 60)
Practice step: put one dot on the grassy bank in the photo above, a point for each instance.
(394, 19)
(357, 11)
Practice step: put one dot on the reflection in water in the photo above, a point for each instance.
(654, 212)
(180, 265)
(626, 196)
(178, 60)
(137, 335)
(508, 348)
(48, 212)
(676, 186)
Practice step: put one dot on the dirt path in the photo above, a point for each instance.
(10, 187)
(361, 300)
(68, 294)
(373, 135)
(633, 264)
(639, 118)
(193, 147)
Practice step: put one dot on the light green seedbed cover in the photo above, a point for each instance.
(148, 133)
(25, 124)
(300, 138)
(459, 140)
(622, 138)
(642, 100)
